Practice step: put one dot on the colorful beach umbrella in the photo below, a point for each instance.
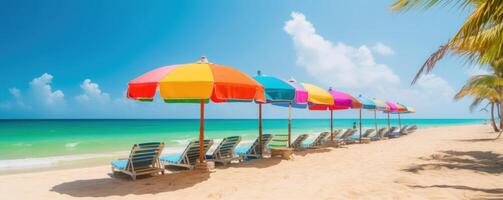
(197, 82)
(280, 91)
(342, 101)
(319, 97)
(391, 108)
(368, 104)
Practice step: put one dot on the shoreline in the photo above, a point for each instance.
(453, 162)
(75, 161)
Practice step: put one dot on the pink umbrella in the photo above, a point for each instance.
(391, 108)
(342, 101)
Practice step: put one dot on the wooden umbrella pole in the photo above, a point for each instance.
(201, 133)
(289, 123)
(375, 118)
(260, 129)
(389, 125)
(360, 125)
(399, 123)
(331, 125)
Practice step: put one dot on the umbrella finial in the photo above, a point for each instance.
(204, 59)
(259, 73)
(330, 88)
(292, 80)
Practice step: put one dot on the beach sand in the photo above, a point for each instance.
(458, 162)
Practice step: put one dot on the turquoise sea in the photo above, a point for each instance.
(27, 143)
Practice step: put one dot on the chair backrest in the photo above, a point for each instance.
(368, 132)
(145, 154)
(279, 141)
(346, 132)
(336, 132)
(413, 127)
(191, 153)
(404, 129)
(381, 132)
(226, 147)
(320, 138)
(390, 131)
(298, 141)
(254, 149)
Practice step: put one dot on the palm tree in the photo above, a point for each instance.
(480, 38)
(480, 88)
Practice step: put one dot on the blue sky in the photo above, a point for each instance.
(73, 59)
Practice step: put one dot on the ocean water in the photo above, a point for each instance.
(31, 143)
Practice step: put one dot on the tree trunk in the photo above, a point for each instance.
(493, 123)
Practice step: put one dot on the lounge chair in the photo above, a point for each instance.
(143, 159)
(403, 130)
(347, 138)
(188, 157)
(336, 133)
(380, 134)
(224, 153)
(297, 143)
(367, 133)
(318, 140)
(279, 141)
(251, 152)
(411, 129)
(390, 133)
(279, 146)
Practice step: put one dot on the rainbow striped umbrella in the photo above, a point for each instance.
(280, 91)
(391, 108)
(196, 83)
(342, 101)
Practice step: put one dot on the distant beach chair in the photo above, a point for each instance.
(253, 151)
(340, 137)
(367, 133)
(297, 143)
(143, 159)
(336, 134)
(224, 153)
(411, 129)
(391, 132)
(188, 157)
(380, 134)
(318, 140)
(403, 130)
(347, 138)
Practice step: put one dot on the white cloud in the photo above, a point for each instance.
(92, 93)
(382, 49)
(433, 85)
(338, 65)
(42, 91)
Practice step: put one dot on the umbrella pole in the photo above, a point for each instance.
(389, 125)
(360, 125)
(201, 133)
(289, 123)
(260, 129)
(331, 125)
(375, 118)
(399, 123)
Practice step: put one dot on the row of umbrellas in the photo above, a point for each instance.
(203, 81)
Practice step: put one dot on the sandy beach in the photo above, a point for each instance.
(457, 162)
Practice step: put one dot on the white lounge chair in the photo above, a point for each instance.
(297, 143)
(143, 159)
(252, 151)
(318, 140)
(188, 157)
(224, 153)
